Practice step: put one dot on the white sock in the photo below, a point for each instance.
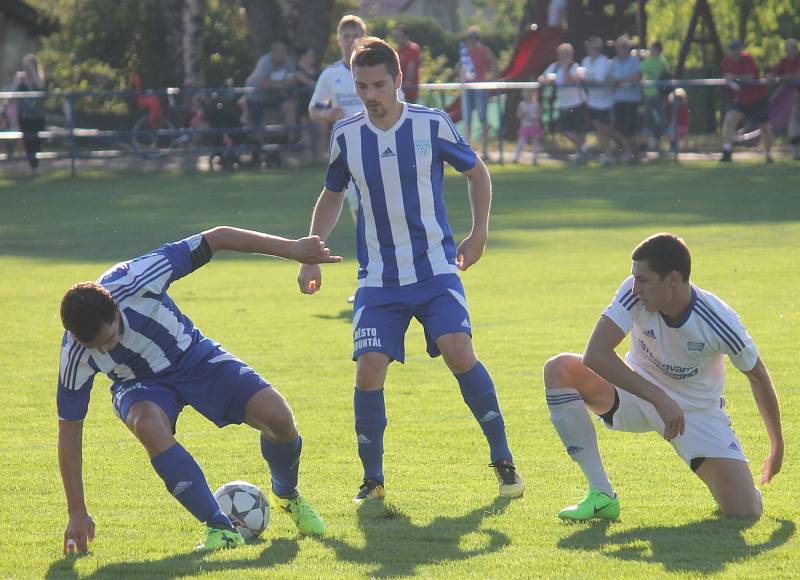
(573, 425)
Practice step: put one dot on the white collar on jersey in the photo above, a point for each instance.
(394, 127)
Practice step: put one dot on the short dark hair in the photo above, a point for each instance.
(371, 51)
(85, 308)
(665, 253)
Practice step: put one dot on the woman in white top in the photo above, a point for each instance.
(564, 74)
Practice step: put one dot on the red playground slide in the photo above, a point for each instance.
(535, 50)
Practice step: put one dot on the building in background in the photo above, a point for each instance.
(21, 26)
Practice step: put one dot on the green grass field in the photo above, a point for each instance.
(560, 246)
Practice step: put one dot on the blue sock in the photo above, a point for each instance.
(185, 480)
(370, 412)
(284, 463)
(478, 391)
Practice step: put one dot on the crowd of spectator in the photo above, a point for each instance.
(598, 95)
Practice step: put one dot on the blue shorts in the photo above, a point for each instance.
(218, 388)
(381, 315)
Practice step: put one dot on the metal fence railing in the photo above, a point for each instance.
(158, 123)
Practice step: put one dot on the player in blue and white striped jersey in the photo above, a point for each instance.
(670, 382)
(126, 326)
(395, 152)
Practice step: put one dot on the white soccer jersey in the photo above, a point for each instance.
(155, 335)
(402, 232)
(336, 88)
(684, 357)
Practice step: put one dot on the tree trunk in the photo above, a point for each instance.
(266, 21)
(312, 25)
(745, 8)
(194, 73)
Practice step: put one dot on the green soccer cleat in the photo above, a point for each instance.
(305, 517)
(220, 539)
(596, 504)
(508, 478)
(370, 489)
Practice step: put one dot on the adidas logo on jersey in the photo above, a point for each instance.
(363, 438)
(465, 323)
(651, 333)
(733, 446)
(388, 153)
(181, 487)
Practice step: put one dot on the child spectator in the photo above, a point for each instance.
(529, 113)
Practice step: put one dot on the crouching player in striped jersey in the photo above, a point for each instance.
(670, 382)
(127, 326)
(408, 263)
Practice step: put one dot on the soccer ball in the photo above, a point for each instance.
(246, 506)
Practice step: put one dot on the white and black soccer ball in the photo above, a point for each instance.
(246, 506)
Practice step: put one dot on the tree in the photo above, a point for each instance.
(194, 73)
(299, 23)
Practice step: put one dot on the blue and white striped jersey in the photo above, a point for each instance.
(402, 234)
(156, 338)
(684, 357)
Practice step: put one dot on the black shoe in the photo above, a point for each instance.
(370, 489)
(727, 157)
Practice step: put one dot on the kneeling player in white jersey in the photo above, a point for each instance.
(408, 263)
(127, 326)
(670, 382)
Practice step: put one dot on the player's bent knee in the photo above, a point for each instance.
(559, 370)
(150, 425)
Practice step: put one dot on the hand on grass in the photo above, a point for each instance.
(79, 533)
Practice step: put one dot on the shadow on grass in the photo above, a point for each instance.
(276, 553)
(345, 315)
(705, 546)
(397, 547)
(111, 217)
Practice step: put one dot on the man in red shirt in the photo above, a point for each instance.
(749, 100)
(410, 61)
(482, 66)
(788, 70)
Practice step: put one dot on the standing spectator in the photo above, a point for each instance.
(749, 101)
(272, 79)
(410, 62)
(335, 94)
(30, 111)
(529, 113)
(655, 68)
(788, 70)
(305, 79)
(625, 74)
(478, 63)
(572, 112)
(600, 99)
(679, 124)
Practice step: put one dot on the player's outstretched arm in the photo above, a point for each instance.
(767, 403)
(307, 250)
(326, 214)
(480, 201)
(602, 359)
(80, 526)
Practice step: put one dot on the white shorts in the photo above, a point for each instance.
(708, 433)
